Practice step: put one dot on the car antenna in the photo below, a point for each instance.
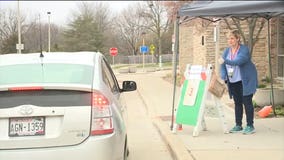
(41, 55)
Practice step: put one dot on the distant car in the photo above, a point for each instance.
(61, 106)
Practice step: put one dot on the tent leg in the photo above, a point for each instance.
(270, 66)
(175, 68)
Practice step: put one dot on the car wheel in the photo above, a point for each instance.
(126, 151)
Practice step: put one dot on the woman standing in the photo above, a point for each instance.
(240, 74)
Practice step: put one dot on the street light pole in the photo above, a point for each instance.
(48, 13)
(19, 46)
(143, 35)
(151, 5)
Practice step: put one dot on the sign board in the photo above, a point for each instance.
(20, 46)
(152, 47)
(191, 92)
(188, 112)
(144, 49)
(194, 94)
(191, 95)
(113, 51)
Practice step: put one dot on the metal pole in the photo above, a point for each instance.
(270, 67)
(217, 32)
(19, 29)
(175, 67)
(48, 31)
(278, 46)
(40, 34)
(143, 52)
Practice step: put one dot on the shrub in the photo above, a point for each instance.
(261, 85)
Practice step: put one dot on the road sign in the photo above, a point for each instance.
(113, 51)
(152, 47)
(20, 46)
(144, 49)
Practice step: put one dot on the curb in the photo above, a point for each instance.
(177, 148)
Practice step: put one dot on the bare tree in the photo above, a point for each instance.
(172, 8)
(9, 30)
(32, 36)
(157, 21)
(29, 31)
(254, 25)
(129, 28)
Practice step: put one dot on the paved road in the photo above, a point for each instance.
(144, 139)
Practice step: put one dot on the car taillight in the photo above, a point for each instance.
(35, 88)
(101, 115)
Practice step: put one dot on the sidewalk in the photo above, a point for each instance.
(266, 143)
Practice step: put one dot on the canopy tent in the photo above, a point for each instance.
(232, 8)
(222, 9)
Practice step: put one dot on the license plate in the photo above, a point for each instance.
(26, 126)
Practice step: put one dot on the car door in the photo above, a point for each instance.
(110, 79)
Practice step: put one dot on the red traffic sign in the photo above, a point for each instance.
(113, 51)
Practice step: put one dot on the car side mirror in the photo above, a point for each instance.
(128, 86)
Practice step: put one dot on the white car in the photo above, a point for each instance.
(61, 105)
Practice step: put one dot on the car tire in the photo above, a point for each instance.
(126, 150)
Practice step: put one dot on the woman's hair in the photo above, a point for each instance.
(236, 34)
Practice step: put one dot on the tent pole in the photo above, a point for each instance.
(176, 30)
(217, 49)
(270, 67)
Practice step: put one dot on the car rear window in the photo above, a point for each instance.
(46, 73)
(45, 98)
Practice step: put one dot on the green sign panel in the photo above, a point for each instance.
(188, 110)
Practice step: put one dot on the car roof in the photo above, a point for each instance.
(86, 58)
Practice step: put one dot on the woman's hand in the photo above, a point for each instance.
(220, 60)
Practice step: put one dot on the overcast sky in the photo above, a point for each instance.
(60, 10)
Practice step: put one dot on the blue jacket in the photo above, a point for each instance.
(247, 69)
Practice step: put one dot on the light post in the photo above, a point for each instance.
(143, 36)
(19, 45)
(150, 6)
(48, 13)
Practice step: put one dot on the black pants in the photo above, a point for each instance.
(237, 93)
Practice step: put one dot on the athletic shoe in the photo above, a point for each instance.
(236, 129)
(249, 130)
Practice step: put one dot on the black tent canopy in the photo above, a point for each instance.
(222, 9)
(232, 8)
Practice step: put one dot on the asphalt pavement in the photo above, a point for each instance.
(142, 133)
(157, 94)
